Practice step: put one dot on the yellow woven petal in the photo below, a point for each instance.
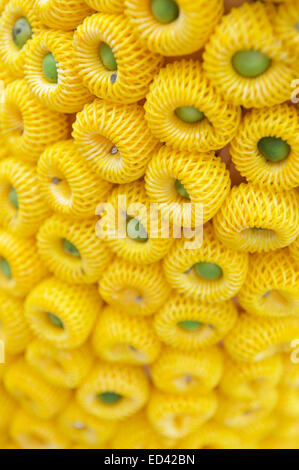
(124, 338)
(188, 33)
(82, 427)
(248, 28)
(3, 4)
(115, 140)
(217, 318)
(25, 220)
(34, 395)
(67, 183)
(245, 381)
(195, 372)
(136, 66)
(278, 443)
(129, 382)
(285, 22)
(107, 6)
(69, 94)
(287, 427)
(75, 306)
(212, 435)
(61, 368)
(134, 289)
(280, 121)
(255, 338)
(10, 55)
(272, 285)
(33, 433)
(179, 270)
(257, 430)
(24, 263)
(176, 416)
(5, 76)
(7, 407)
(294, 249)
(290, 377)
(248, 207)
(14, 331)
(203, 175)
(288, 403)
(3, 144)
(93, 256)
(62, 14)
(183, 83)
(19, 115)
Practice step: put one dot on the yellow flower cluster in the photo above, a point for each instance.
(144, 339)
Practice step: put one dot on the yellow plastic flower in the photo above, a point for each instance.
(19, 115)
(4, 152)
(211, 273)
(139, 242)
(186, 324)
(212, 435)
(34, 395)
(4, 365)
(134, 289)
(67, 183)
(111, 60)
(286, 27)
(71, 249)
(294, 249)
(5, 76)
(20, 265)
(287, 427)
(271, 287)
(118, 337)
(82, 427)
(107, 6)
(245, 61)
(256, 219)
(50, 73)
(115, 140)
(113, 391)
(290, 376)
(14, 331)
(194, 372)
(174, 28)
(255, 338)
(32, 433)
(59, 367)
(7, 407)
(176, 416)
(177, 177)
(62, 14)
(3, 4)
(257, 430)
(22, 209)
(62, 314)
(18, 23)
(288, 402)
(266, 147)
(247, 381)
(185, 111)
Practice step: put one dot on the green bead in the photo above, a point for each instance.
(165, 11)
(190, 325)
(50, 68)
(274, 149)
(70, 249)
(13, 198)
(181, 189)
(107, 57)
(109, 398)
(251, 63)
(5, 268)
(136, 231)
(208, 270)
(21, 32)
(189, 114)
(55, 320)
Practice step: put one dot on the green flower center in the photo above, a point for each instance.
(109, 398)
(274, 149)
(189, 114)
(165, 11)
(136, 231)
(5, 268)
(50, 68)
(181, 189)
(21, 32)
(251, 63)
(13, 198)
(70, 249)
(190, 325)
(209, 271)
(55, 320)
(107, 57)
